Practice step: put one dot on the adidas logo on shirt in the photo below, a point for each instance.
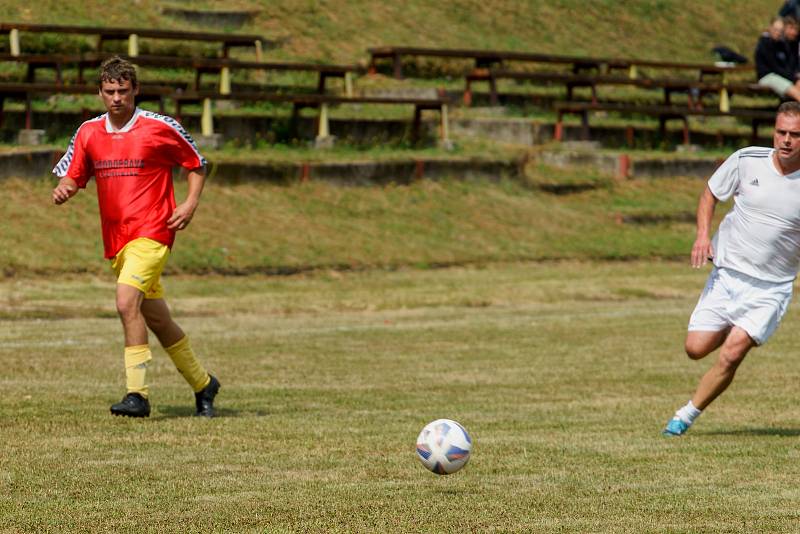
(754, 182)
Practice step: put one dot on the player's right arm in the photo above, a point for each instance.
(73, 169)
(65, 190)
(702, 250)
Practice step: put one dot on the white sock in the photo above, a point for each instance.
(688, 413)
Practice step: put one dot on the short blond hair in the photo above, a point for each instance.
(789, 108)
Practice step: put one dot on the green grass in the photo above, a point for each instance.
(255, 227)
(335, 30)
(563, 372)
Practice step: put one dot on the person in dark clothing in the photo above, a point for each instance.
(790, 8)
(791, 34)
(777, 62)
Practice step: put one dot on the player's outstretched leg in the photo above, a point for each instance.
(736, 345)
(698, 345)
(176, 344)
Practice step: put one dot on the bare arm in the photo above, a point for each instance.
(184, 212)
(702, 250)
(65, 190)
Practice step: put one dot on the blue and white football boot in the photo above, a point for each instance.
(675, 427)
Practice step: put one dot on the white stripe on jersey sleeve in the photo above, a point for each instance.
(175, 125)
(63, 164)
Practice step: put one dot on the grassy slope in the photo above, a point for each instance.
(563, 373)
(342, 30)
(261, 227)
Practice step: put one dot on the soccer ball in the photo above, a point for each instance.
(443, 446)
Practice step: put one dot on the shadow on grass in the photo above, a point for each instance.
(172, 412)
(784, 432)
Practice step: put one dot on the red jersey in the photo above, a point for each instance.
(133, 170)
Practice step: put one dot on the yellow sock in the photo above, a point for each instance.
(136, 358)
(185, 360)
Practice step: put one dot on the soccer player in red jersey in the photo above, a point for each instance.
(131, 153)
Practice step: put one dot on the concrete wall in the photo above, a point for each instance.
(31, 164)
(368, 173)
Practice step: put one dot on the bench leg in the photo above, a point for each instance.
(493, 98)
(321, 83)
(468, 93)
(28, 112)
(225, 81)
(445, 126)
(398, 66)
(348, 84)
(13, 39)
(585, 125)
(686, 139)
(323, 126)
(133, 45)
(207, 119)
(416, 125)
(662, 127)
(558, 133)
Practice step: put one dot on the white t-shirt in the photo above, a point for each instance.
(760, 236)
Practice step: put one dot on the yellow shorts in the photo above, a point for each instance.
(139, 264)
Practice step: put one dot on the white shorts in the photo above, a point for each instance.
(777, 83)
(731, 298)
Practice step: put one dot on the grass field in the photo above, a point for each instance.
(337, 30)
(563, 372)
(266, 228)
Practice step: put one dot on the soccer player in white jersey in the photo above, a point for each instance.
(130, 153)
(755, 255)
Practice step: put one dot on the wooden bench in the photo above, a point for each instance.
(27, 91)
(317, 101)
(486, 59)
(221, 66)
(132, 35)
(757, 117)
(224, 67)
(694, 89)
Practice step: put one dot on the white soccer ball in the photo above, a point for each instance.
(444, 446)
